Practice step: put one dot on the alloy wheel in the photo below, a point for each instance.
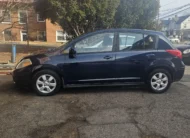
(159, 81)
(46, 83)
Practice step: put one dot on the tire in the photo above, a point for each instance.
(46, 83)
(159, 83)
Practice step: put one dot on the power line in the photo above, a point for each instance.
(175, 13)
(168, 3)
(170, 9)
(177, 7)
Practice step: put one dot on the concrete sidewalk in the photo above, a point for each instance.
(22, 50)
(5, 72)
(33, 43)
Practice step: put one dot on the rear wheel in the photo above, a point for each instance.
(46, 82)
(159, 81)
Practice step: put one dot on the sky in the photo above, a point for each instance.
(169, 4)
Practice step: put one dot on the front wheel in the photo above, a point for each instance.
(46, 83)
(159, 81)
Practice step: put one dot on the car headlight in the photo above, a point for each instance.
(186, 51)
(24, 63)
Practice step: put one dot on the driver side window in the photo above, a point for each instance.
(97, 43)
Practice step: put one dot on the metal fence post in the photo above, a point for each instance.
(13, 56)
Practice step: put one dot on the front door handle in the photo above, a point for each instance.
(108, 57)
(135, 61)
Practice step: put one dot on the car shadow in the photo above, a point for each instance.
(7, 86)
(10, 88)
(112, 89)
(24, 91)
(101, 89)
(27, 91)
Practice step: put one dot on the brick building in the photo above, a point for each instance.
(18, 24)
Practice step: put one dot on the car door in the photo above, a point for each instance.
(135, 52)
(94, 60)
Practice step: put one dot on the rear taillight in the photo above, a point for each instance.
(175, 52)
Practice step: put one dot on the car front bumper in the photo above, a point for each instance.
(22, 76)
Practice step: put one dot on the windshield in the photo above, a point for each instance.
(64, 46)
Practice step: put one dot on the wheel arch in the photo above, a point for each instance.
(169, 69)
(46, 67)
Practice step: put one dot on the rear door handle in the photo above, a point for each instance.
(108, 57)
(151, 56)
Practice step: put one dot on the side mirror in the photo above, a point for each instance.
(72, 53)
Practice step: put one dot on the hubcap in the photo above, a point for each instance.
(46, 83)
(159, 81)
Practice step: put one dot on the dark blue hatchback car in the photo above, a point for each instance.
(102, 58)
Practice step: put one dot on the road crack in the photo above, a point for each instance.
(177, 114)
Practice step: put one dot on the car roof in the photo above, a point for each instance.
(132, 30)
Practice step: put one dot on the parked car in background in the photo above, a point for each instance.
(108, 57)
(174, 40)
(185, 53)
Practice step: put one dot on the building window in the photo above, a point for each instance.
(24, 35)
(185, 25)
(61, 36)
(6, 15)
(41, 36)
(7, 35)
(40, 18)
(22, 17)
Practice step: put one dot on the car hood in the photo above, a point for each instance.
(43, 56)
(44, 53)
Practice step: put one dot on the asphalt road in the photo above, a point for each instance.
(114, 112)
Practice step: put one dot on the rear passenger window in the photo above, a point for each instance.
(149, 42)
(129, 41)
(136, 41)
(162, 44)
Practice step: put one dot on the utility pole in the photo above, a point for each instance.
(158, 20)
(27, 31)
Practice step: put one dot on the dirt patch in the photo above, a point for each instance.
(68, 129)
(153, 136)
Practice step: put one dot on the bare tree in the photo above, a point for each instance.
(9, 6)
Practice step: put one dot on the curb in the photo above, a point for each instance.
(4, 68)
(5, 73)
